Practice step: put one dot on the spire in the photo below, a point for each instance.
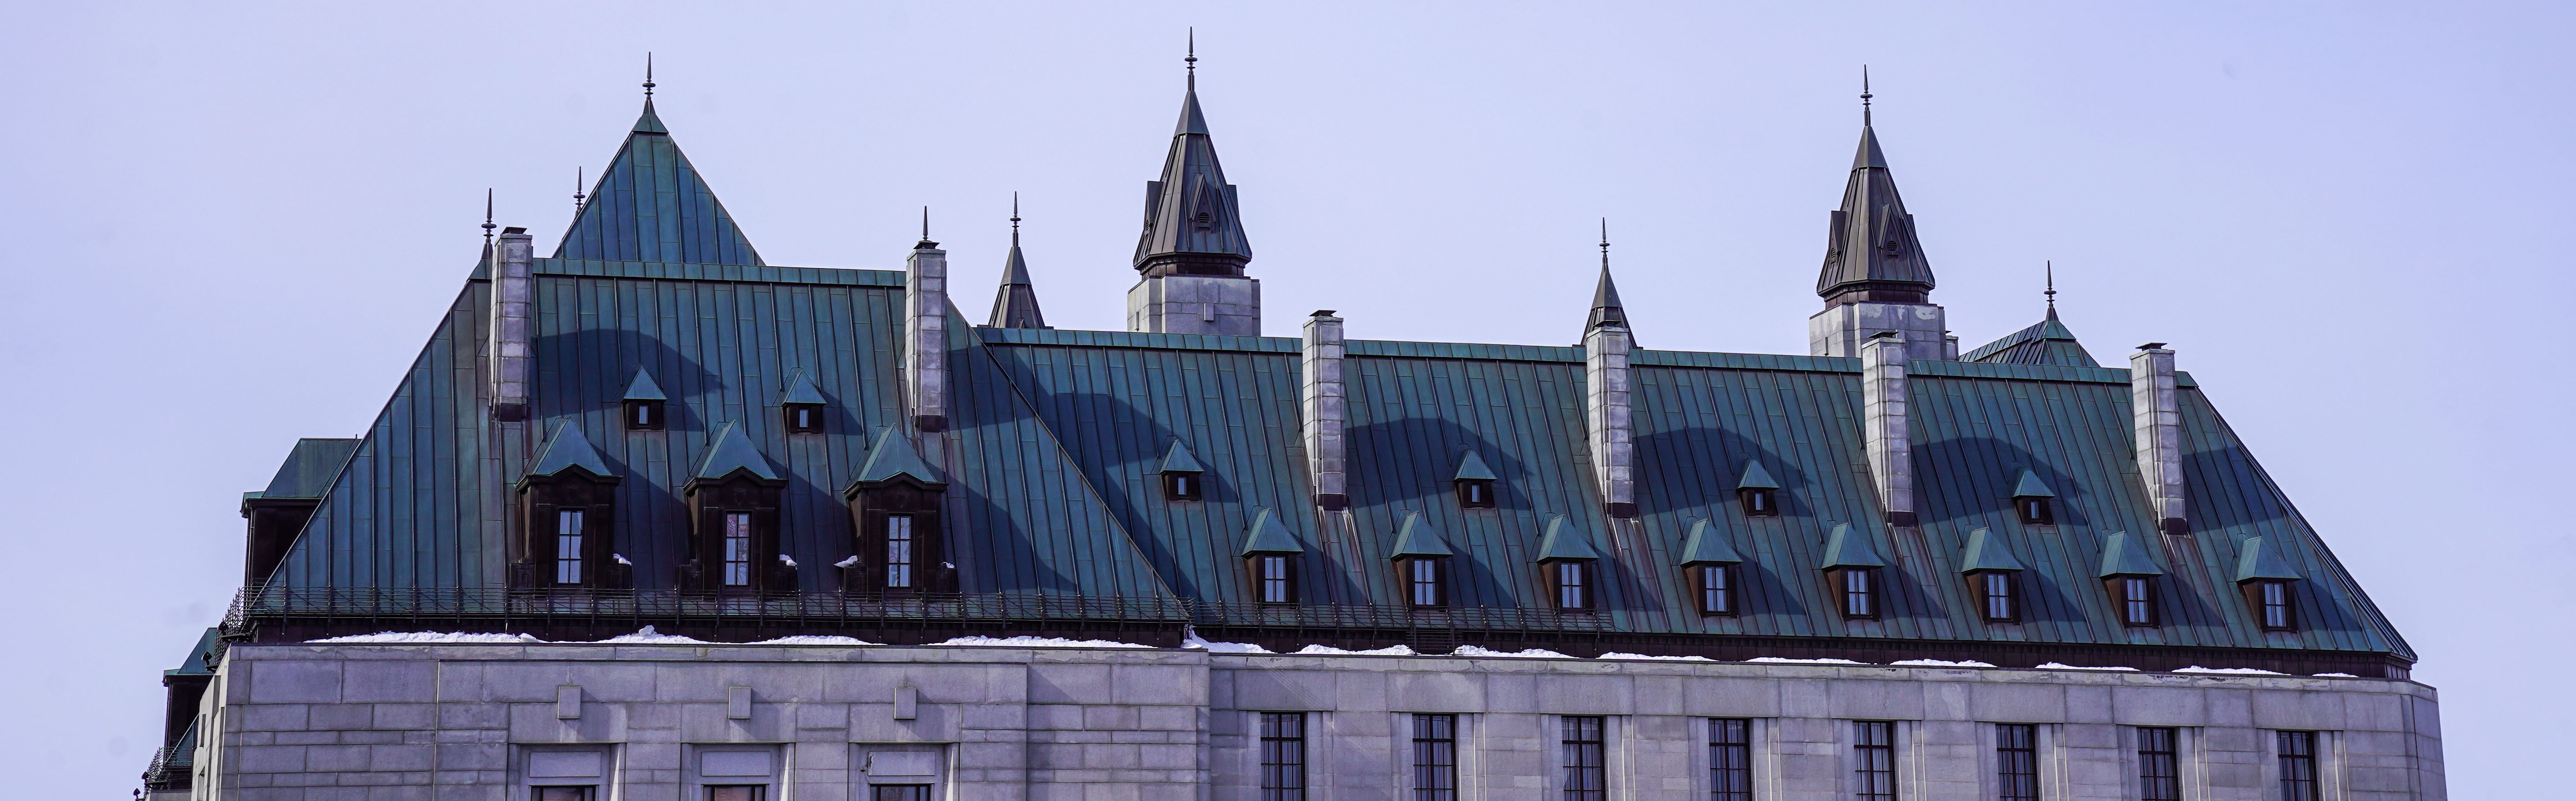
(1192, 222)
(651, 205)
(2051, 267)
(1015, 305)
(487, 218)
(1871, 252)
(577, 195)
(925, 243)
(1605, 295)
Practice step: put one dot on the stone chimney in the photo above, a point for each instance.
(512, 325)
(925, 335)
(1327, 420)
(2156, 411)
(1607, 415)
(1883, 424)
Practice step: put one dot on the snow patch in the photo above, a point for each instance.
(1190, 639)
(1037, 642)
(2255, 671)
(854, 559)
(647, 636)
(1392, 650)
(2338, 675)
(1938, 663)
(1534, 653)
(621, 559)
(1618, 655)
(1805, 661)
(816, 639)
(783, 558)
(2056, 666)
(432, 637)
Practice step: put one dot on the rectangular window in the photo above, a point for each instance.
(571, 793)
(898, 552)
(1572, 591)
(1730, 759)
(737, 549)
(2276, 604)
(899, 792)
(1283, 756)
(1874, 760)
(735, 792)
(2137, 601)
(1860, 599)
(1998, 589)
(1758, 503)
(1716, 592)
(1278, 585)
(2016, 762)
(1435, 758)
(2159, 772)
(1423, 575)
(1585, 778)
(2036, 512)
(568, 547)
(2298, 765)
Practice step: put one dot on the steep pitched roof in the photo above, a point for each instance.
(1416, 537)
(893, 455)
(2255, 560)
(2124, 554)
(309, 468)
(565, 448)
(1756, 478)
(1191, 217)
(2045, 342)
(1015, 304)
(1266, 535)
(1707, 546)
(643, 388)
(1565, 540)
(730, 451)
(651, 205)
(1471, 467)
(1870, 241)
(200, 658)
(1606, 308)
(1847, 548)
(1177, 459)
(1986, 551)
(801, 389)
(2028, 485)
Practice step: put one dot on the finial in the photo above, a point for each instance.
(487, 216)
(1864, 95)
(1015, 219)
(1193, 59)
(925, 243)
(1605, 243)
(2052, 286)
(577, 196)
(648, 75)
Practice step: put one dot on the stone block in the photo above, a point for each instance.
(335, 758)
(401, 717)
(271, 758)
(1427, 691)
(389, 681)
(399, 757)
(1069, 684)
(339, 716)
(2299, 710)
(296, 681)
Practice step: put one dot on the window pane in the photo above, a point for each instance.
(1426, 582)
(2138, 606)
(1874, 752)
(1584, 779)
(1275, 584)
(1713, 592)
(2159, 776)
(2016, 762)
(2298, 765)
(1857, 599)
(1730, 759)
(898, 552)
(1999, 600)
(1283, 756)
(2276, 605)
(737, 550)
(1435, 758)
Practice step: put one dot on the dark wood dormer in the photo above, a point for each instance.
(277, 514)
(1421, 563)
(567, 518)
(733, 499)
(1474, 482)
(801, 409)
(1184, 479)
(901, 547)
(643, 404)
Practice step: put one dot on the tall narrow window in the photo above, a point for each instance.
(1435, 758)
(737, 549)
(2159, 772)
(898, 552)
(803, 418)
(2016, 762)
(1278, 580)
(1874, 760)
(1730, 759)
(1860, 593)
(1758, 502)
(568, 547)
(2137, 600)
(737, 792)
(1283, 756)
(2275, 599)
(1715, 586)
(1422, 579)
(1584, 766)
(2298, 765)
(565, 793)
(1997, 587)
(1573, 580)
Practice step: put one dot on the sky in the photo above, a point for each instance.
(232, 225)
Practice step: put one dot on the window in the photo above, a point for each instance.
(1730, 759)
(898, 552)
(737, 549)
(1283, 756)
(1759, 502)
(1995, 587)
(735, 792)
(1859, 588)
(1435, 758)
(2016, 762)
(2298, 765)
(1422, 581)
(568, 547)
(1275, 578)
(804, 418)
(643, 415)
(2272, 600)
(1874, 760)
(899, 792)
(1183, 486)
(1570, 581)
(2159, 773)
(1474, 493)
(1584, 774)
(2137, 597)
(571, 793)
(2035, 511)
(1714, 585)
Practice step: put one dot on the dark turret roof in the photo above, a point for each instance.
(1015, 305)
(1870, 243)
(1606, 309)
(650, 205)
(1192, 223)
(2045, 342)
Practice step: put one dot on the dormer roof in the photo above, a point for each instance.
(1267, 536)
(728, 450)
(1417, 537)
(2256, 559)
(1848, 548)
(565, 448)
(1471, 467)
(1986, 552)
(1705, 545)
(643, 388)
(801, 389)
(1177, 459)
(1565, 540)
(2124, 554)
(1756, 478)
(892, 455)
(2028, 485)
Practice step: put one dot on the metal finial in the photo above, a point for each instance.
(925, 243)
(648, 75)
(487, 216)
(1015, 219)
(2052, 285)
(577, 196)
(1864, 94)
(1605, 243)
(1193, 59)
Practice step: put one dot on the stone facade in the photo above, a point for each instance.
(1841, 328)
(657, 722)
(1225, 305)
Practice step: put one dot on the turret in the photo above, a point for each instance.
(1193, 251)
(1875, 276)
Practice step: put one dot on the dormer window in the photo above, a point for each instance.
(733, 496)
(1274, 578)
(1858, 589)
(1709, 563)
(803, 406)
(2136, 597)
(804, 418)
(1183, 487)
(1183, 477)
(1570, 584)
(1756, 492)
(1421, 563)
(1852, 573)
(895, 506)
(2272, 605)
(569, 554)
(1994, 576)
(567, 499)
(1475, 482)
(2033, 501)
(1713, 589)
(1566, 558)
(643, 403)
(2266, 577)
(2130, 578)
(1270, 555)
(1998, 600)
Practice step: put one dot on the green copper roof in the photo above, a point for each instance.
(308, 469)
(651, 205)
(1266, 535)
(2125, 554)
(2255, 560)
(800, 389)
(1471, 467)
(1565, 540)
(2046, 342)
(732, 451)
(1848, 548)
(643, 388)
(1986, 551)
(200, 658)
(893, 455)
(1414, 537)
(566, 448)
(1177, 459)
(1707, 546)
(2029, 486)
(1756, 478)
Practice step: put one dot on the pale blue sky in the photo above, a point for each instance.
(233, 225)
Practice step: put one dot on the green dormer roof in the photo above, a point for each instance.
(1705, 546)
(1847, 548)
(728, 450)
(1986, 551)
(643, 388)
(1266, 535)
(1471, 467)
(566, 448)
(892, 455)
(800, 389)
(2125, 555)
(2256, 560)
(1565, 540)
(1177, 459)
(2029, 486)
(1414, 537)
(1755, 477)
(200, 659)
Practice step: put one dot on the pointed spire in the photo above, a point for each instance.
(1192, 221)
(1871, 251)
(925, 243)
(487, 218)
(577, 196)
(1015, 305)
(1606, 309)
(2051, 267)
(648, 122)
(650, 204)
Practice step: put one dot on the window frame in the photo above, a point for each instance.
(2299, 774)
(657, 416)
(2035, 511)
(1749, 498)
(1729, 599)
(1730, 759)
(1408, 576)
(2118, 587)
(2017, 770)
(1585, 588)
(1874, 764)
(1184, 487)
(1435, 756)
(1283, 764)
(2158, 751)
(1262, 582)
(579, 518)
(1469, 486)
(1981, 586)
(1838, 582)
(749, 538)
(2255, 591)
(1583, 757)
(909, 569)
(813, 417)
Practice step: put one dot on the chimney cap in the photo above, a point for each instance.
(2151, 346)
(1322, 313)
(513, 230)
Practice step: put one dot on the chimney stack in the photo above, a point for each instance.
(1607, 413)
(2156, 410)
(1326, 418)
(925, 334)
(512, 326)
(1891, 453)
